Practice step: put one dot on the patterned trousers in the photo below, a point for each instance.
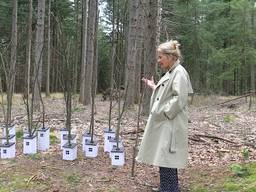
(168, 179)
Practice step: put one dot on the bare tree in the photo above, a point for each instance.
(66, 73)
(47, 91)
(113, 55)
(137, 133)
(9, 71)
(28, 50)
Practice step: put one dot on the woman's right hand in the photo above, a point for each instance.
(150, 82)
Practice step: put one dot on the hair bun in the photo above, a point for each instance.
(174, 44)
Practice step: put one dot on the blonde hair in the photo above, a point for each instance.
(171, 48)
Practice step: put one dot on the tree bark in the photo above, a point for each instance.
(84, 51)
(252, 65)
(90, 50)
(47, 91)
(28, 51)
(151, 35)
(11, 70)
(37, 80)
(94, 78)
(77, 46)
(131, 52)
(113, 58)
(139, 49)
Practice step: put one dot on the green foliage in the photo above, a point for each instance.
(218, 42)
(245, 153)
(19, 134)
(239, 170)
(104, 60)
(217, 38)
(53, 138)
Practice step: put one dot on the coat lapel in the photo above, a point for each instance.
(163, 79)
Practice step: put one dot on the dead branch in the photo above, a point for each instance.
(230, 100)
(214, 137)
(133, 132)
(246, 95)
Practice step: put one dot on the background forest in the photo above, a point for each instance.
(73, 49)
(218, 41)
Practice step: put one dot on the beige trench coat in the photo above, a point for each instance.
(165, 140)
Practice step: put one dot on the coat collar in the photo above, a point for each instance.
(174, 66)
(167, 74)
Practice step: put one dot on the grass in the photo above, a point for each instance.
(77, 109)
(113, 189)
(229, 118)
(36, 156)
(73, 179)
(231, 182)
(15, 182)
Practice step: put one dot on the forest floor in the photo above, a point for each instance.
(217, 136)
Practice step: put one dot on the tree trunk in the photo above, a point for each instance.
(90, 50)
(11, 71)
(47, 91)
(113, 56)
(37, 80)
(139, 49)
(151, 30)
(84, 51)
(131, 52)
(77, 40)
(94, 74)
(28, 52)
(252, 67)
(95, 67)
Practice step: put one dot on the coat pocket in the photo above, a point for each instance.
(172, 148)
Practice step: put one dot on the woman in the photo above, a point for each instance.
(165, 140)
